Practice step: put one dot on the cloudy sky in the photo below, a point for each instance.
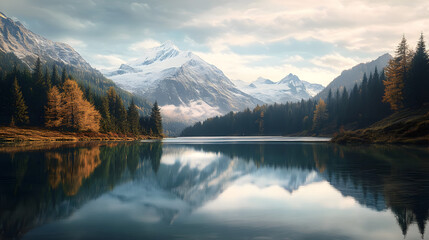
(246, 39)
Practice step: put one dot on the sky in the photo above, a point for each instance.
(246, 39)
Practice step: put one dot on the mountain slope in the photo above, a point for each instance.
(288, 89)
(28, 46)
(185, 86)
(348, 78)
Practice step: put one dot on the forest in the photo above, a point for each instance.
(404, 83)
(53, 98)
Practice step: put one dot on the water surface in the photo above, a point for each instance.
(214, 188)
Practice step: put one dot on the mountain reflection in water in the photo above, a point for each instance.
(234, 190)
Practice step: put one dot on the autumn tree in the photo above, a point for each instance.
(77, 113)
(53, 109)
(19, 109)
(320, 115)
(396, 74)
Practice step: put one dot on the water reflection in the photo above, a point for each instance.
(240, 190)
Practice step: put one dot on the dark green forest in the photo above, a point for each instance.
(403, 84)
(24, 99)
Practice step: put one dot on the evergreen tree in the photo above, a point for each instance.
(19, 109)
(121, 115)
(106, 121)
(48, 81)
(56, 80)
(133, 118)
(417, 84)
(63, 75)
(156, 120)
(39, 95)
(37, 73)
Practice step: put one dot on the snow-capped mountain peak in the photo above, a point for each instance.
(291, 79)
(185, 86)
(262, 80)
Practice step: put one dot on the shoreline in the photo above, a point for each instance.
(37, 134)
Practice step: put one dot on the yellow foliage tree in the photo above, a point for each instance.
(396, 73)
(53, 108)
(320, 115)
(70, 110)
(393, 85)
(76, 112)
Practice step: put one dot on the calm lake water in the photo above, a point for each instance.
(214, 188)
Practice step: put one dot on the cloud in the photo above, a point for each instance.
(335, 61)
(195, 111)
(253, 33)
(108, 61)
(146, 44)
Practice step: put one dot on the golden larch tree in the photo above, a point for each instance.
(393, 85)
(396, 73)
(53, 108)
(77, 113)
(320, 115)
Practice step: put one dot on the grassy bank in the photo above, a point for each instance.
(19, 134)
(409, 126)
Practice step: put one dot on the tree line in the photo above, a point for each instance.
(53, 99)
(404, 83)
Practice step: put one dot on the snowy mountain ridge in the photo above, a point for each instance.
(288, 89)
(27, 46)
(185, 86)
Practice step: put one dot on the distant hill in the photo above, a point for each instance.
(348, 78)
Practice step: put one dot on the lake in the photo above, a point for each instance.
(214, 188)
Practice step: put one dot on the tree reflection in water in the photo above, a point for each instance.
(43, 183)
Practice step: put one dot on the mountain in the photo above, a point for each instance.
(185, 86)
(348, 78)
(27, 46)
(288, 89)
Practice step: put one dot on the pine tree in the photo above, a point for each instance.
(39, 95)
(48, 82)
(396, 74)
(156, 120)
(55, 78)
(133, 118)
(19, 109)
(63, 75)
(416, 85)
(121, 115)
(106, 121)
(53, 109)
